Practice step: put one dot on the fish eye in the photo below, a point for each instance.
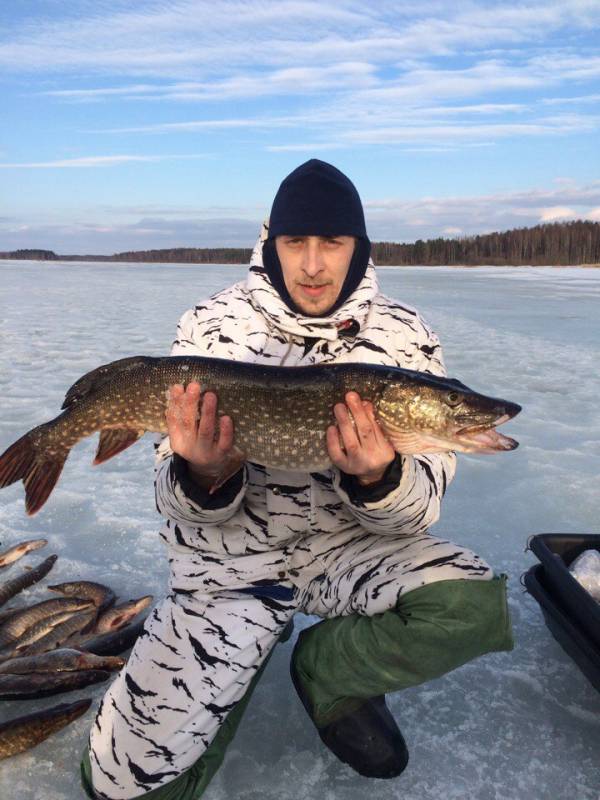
(454, 398)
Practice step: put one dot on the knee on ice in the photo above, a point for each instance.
(461, 619)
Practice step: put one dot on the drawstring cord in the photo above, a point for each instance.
(287, 352)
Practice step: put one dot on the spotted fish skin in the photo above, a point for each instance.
(60, 660)
(117, 617)
(21, 621)
(113, 642)
(60, 633)
(280, 414)
(45, 684)
(34, 633)
(22, 733)
(15, 585)
(102, 596)
(19, 550)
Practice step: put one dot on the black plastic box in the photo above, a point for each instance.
(557, 551)
(570, 637)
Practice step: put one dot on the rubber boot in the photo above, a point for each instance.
(367, 739)
(342, 667)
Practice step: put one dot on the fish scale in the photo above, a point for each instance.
(26, 579)
(280, 414)
(30, 616)
(21, 733)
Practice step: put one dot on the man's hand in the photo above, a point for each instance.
(361, 449)
(194, 437)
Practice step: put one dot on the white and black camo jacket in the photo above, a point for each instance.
(268, 525)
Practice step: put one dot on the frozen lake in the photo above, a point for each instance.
(514, 725)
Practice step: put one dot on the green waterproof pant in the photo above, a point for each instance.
(344, 661)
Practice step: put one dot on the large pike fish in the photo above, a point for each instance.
(280, 414)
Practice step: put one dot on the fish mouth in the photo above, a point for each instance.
(485, 438)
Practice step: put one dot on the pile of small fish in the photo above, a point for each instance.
(57, 645)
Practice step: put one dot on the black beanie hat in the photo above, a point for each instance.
(316, 199)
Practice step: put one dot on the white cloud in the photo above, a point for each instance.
(95, 161)
(384, 73)
(89, 237)
(187, 36)
(108, 229)
(108, 91)
(587, 98)
(555, 213)
(407, 220)
(338, 126)
(289, 81)
(193, 126)
(307, 147)
(444, 133)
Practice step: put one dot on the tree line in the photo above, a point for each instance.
(179, 255)
(558, 243)
(553, 244)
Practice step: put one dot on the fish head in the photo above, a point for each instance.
(422, 413)
(116, 618)
(87, 660)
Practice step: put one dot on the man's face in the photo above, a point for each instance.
(314, 269)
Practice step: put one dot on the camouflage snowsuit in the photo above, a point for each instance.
(317, 543)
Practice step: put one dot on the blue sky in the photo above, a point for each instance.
(165, 124)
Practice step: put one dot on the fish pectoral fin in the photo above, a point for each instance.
(113, 441)
(235, 461)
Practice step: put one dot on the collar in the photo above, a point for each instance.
(347, 320)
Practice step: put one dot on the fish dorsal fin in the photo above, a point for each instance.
(113, 441)
(92, 381)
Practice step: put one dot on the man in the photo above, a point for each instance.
(350, 545)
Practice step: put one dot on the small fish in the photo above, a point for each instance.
(19, 550)
(20, 622)
(41, 628)
(102, 596)
(280, 414)
(117, 617)
(14, 586)
(45, 684)
(114, 642)
(62, 660)
(61, 633)
(6, 615)
(22, 733)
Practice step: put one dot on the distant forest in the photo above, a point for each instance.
(553, 244)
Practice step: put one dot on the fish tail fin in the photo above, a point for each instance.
(16, 461)
(25, 460)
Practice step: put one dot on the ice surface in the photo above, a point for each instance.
(514, 725)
